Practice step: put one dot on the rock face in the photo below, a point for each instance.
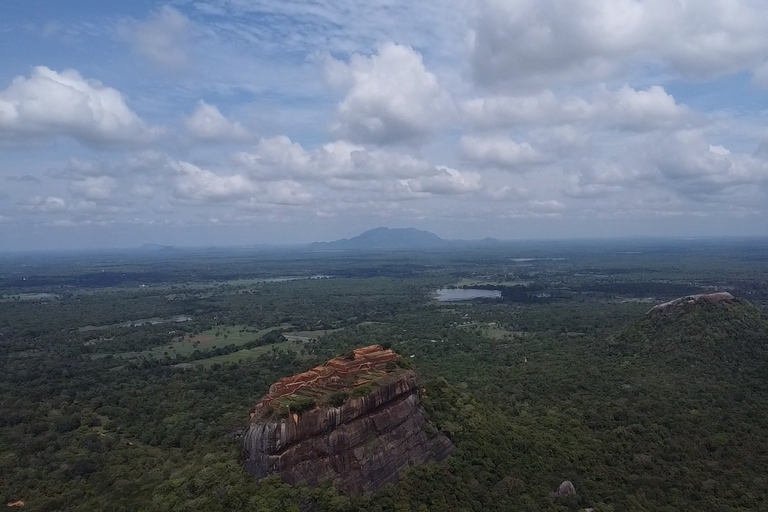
(356, 421)
(566, 490)
(704, 298)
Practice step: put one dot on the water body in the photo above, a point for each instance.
(286, 279)
(459, 294)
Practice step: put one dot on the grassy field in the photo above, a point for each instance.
(218, 337)
(295, 345)
(307, 335)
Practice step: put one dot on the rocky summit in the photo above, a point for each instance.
(678, 305)
(357, 420)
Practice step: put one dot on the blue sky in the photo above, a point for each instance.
(251, 121)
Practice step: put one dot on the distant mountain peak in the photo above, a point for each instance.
(384, 238)
(388, 238)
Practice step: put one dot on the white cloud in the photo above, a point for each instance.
(50, 204)
(49, 104)
(446, 181)
(164, 37)
(195, 183)
(391, 97)
(500, 151)
(516, 42)
(635, 110)
(94, 188)
(353, 173)
(692, 167)
(143, 190)
(625, 108)
(276, 158)
(603, 178)
(235, 190)
(565, 139)
(288, 193)
(546, 207)
(280, 158)
(207, 124)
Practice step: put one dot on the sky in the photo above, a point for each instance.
(240, 122)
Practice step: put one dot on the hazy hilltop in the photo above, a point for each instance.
(387, 238)
(399, 238)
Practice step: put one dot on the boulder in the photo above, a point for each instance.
(566, 490)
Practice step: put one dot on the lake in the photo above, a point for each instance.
(459, 294)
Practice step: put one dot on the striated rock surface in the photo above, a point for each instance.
(704, 298)
(356, 421)
(566, 490)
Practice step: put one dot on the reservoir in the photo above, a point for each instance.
(459, 294)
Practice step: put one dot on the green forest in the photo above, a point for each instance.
(127, 380)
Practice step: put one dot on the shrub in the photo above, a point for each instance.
(301, 404)
(404, 363)
(338, 398)
(362, 390)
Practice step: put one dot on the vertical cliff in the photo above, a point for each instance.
(357, 421)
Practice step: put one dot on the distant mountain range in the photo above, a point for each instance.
(400, 238)
(374, 239)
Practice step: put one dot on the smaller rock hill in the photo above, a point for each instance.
(691, 301)
(714, 333)
(356, 420)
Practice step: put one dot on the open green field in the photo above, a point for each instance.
(308, 335)
(242, 355)
(220, 336)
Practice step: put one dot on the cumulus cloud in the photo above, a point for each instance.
(201, 185)
(501, 152)
(279, 158)
(446, 181)
(49, 103)
(692, 167)
(625, 109)
(207, 124)
(163, 38)
(534, 41)
(391, 97)
(349, 169)
(287, 192)
(602, 178)
(192, 182)
(94, 188)
(50, 204)
(546, 207)
(680, 162)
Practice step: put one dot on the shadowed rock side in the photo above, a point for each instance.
(360, 445)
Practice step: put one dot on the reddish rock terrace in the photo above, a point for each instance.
(342, 373)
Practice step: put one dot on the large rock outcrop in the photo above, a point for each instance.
(357, 421)
(677, 305)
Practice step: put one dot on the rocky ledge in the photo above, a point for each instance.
(356, 420)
